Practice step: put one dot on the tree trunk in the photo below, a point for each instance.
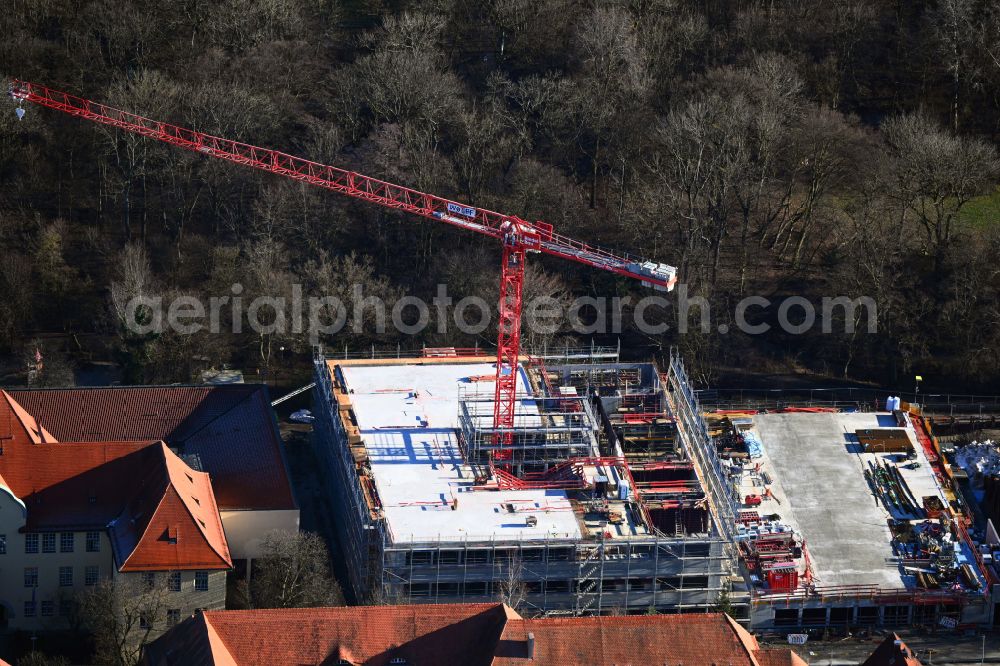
(126, 213)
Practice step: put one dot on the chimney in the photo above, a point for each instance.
(531, 645)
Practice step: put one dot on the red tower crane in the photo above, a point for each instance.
(518, 237)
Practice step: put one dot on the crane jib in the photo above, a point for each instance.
(518, 236)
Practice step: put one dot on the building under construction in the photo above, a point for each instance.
(852, 517)
(605, 496)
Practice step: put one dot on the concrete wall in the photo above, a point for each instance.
(844, 613)
(245, 529)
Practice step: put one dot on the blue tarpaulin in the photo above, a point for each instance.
(753, 445)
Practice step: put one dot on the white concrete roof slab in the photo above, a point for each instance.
(408, 416)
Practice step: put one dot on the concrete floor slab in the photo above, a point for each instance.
(408, 416)
(818, 475)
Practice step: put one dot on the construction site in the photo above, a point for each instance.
(581, 484)
(617, 492)
(604, 499)
(851, 518)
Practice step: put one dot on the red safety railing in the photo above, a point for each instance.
(452, 352)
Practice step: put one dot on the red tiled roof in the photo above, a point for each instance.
(778, 657)
(173, 523)
(75, 485)
(634, 639)
(230, 428)
(14, 412)
(430, 634)
(87, 485)
(192, 642)
(457, 634)
(892, 651)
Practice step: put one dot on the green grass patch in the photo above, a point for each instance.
(981, 212)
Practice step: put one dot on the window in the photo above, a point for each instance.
(420, 590)
(694, 582)
(532, 555)
(31, 576)
(557, 586)
(173, 616)
(201, 581)
(174, 581)
(65, 605)
(477, 557)
(611, 585)
(560, 554)
(49, 542)
(451, 557)
(48, 608)
(503, 556)
(788, 617)
(93, 542)
(149, 579)
(65, 576)
(91, 575)
(145, 621)
(668, 583)
(30, 543)
(66, 542)
(3, 544)
(29, 609)
(422, 557)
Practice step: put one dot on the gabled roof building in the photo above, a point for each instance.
(104, 483)
(470, 634)
(892, 652)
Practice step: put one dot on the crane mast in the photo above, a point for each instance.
(518, 237)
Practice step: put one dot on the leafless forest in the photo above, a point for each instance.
(765, 147)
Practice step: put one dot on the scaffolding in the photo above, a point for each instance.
(559, 576)
(652, 544)
(547, 431)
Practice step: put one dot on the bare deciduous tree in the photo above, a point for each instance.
(293, 572)
(614, 82)
(932, 174)
(953, 25)
(123, 614)
(133, 280)
(510, 587)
